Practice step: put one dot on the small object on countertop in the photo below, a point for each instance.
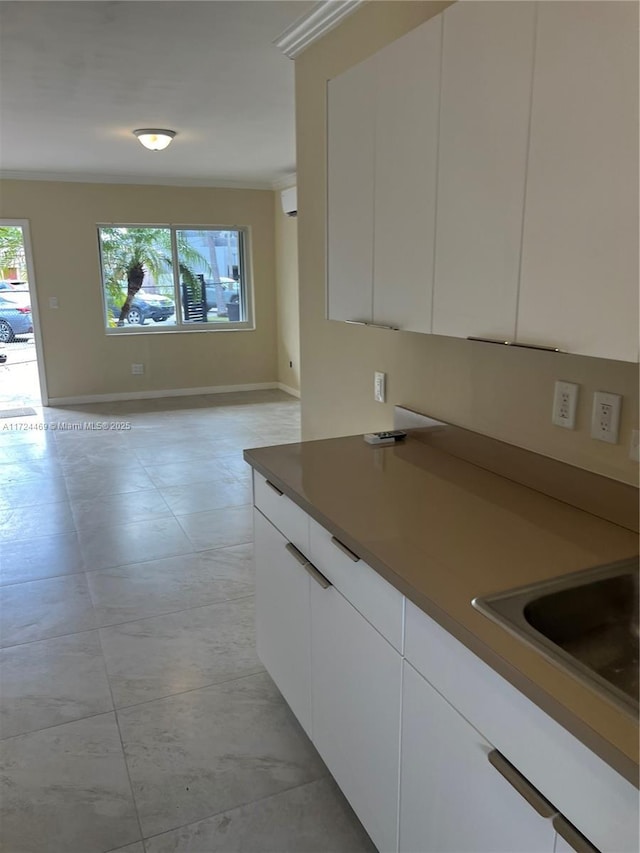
(389, 437)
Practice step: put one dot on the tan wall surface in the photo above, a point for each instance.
(287, 297)
(80, 359)
(505, 393)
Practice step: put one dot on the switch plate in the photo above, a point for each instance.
(634, 447)
(379, 383)
(137, 369)
(53, 302)
(565, 401)
(605, 416)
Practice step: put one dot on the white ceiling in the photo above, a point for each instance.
(78, 77)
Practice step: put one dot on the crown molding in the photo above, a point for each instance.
(155, 180)
(308, 28)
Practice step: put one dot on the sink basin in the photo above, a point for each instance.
(586, 622)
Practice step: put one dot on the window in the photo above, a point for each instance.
(162, 277)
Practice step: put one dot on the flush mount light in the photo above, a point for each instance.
(153, 138)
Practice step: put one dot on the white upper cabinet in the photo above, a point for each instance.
(406, 143)
(350, 153)
(579, 284)
(487, 67)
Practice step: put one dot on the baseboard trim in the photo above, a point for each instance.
(288, 390)
(171, 392)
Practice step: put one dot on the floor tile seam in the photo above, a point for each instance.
(124, 754)
(14, 540)
(47, 578)
(52, 637)
(59, 725)
(218, 603)
(154, 517)
(239, 806)
(214, 509)
(46, 639)
(197, 550)
(231, 680)
(157, 559)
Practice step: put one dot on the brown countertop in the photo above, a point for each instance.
(444, 530)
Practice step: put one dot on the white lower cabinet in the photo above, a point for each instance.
(356, 689)
(453, 800)
(282, 617)
(412, 763)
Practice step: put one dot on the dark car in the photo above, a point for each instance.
(229, 288)
(15, 317)
(147, 306)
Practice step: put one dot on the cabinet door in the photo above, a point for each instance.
(356, 684)
(487, 65)
(579, 286)
(452, 798)
(283, 633)
(405, 178)
(350, 165)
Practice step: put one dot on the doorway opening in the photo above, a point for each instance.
(22, 376)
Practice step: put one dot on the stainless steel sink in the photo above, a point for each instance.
(586, 622)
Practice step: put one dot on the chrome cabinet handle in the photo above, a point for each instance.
(318, 577)
(522, 785)
(372, 325)
(297, 555)
(513, 344)
(300, 558)
(275, 488)
(345, 550)
(571, 835)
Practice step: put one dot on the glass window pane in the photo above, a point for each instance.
(137, 276)
(211, 275)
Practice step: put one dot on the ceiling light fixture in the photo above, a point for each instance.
(153, 138)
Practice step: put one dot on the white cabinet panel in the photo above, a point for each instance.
(356, 686)
(378, 601)
(579, 285)
(453, 799)
(405, 178)
(350, 170)
(599, 802)
(487, 66)
(283, 513)
(283, 633)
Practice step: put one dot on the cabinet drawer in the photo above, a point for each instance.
(283, 634)
(281, 511)
(380, 603)
(599, 802)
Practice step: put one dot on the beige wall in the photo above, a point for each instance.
(286, 228)
(506, 393)
(80, 359)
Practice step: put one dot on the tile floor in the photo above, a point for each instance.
(134, 713)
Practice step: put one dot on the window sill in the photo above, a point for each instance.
(178, 330)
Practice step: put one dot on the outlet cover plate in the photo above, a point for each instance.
(565, 402)
(605, 416)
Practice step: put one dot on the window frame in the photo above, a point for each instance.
(181, 327)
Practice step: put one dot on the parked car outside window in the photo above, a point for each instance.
(15, 316)
(146, 306)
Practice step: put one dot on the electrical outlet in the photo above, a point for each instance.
(137, 369)
(379, 387)
(634, 447)
(605, 416)
(565, 401)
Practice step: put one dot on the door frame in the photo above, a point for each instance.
(35, 311)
